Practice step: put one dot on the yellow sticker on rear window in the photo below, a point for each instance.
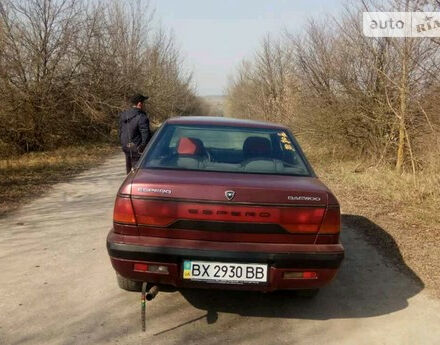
(288, 147)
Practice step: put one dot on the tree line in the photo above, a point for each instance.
(358, 96)
(67, 67)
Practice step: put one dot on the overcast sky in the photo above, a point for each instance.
(215, 35)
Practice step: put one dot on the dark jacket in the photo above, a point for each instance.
(134, 127)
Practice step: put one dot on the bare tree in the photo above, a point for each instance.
(266, 87)
(67, 68)
(361, 96)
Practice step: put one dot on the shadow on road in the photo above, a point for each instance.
(368, 284)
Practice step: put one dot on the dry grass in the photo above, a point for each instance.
(405, 208)
(28, 176)
(418, 198)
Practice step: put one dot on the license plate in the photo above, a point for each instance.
(224, 272)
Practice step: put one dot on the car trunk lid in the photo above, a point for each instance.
(212, 187)
(227, 206)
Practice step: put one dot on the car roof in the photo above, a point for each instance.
(222, 121)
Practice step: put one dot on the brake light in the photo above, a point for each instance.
(301, 219)
(123, 211)
(331, 223)
(155, 213)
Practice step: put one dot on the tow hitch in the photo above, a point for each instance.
(149, 291)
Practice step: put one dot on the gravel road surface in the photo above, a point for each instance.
(57, 287)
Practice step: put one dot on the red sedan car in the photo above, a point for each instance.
(228, 204)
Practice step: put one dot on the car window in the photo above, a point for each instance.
(226, 149)
(214, 137)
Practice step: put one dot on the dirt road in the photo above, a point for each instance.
(58, 287)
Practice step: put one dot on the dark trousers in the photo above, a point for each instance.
(131, 160)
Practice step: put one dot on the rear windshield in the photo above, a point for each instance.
(226, 149)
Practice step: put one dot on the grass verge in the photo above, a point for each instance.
(28, 176)
(406, 209)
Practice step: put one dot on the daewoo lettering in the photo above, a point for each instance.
(304, 198)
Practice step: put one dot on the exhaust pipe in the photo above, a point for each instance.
(152, 293)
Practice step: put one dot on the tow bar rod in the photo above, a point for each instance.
(147, 295)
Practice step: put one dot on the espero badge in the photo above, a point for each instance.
(154, 190)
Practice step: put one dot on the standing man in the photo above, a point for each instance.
(134, 130)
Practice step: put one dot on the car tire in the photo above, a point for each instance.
(307, 293)
(127, 284)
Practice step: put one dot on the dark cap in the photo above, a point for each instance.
(138, 98)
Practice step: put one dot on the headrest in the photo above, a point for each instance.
(190, 146)
(256, 147)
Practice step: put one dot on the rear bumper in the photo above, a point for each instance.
(125, 250)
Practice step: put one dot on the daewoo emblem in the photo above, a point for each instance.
(229, 194)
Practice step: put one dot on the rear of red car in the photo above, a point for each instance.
(217, 222)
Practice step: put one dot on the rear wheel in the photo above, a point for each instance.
(127, 284)
(307, 293)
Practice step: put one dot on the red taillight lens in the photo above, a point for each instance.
(331, 223)
(309, 275)
(301, 219)
(140, 267)
(123, 211)
(155, 213)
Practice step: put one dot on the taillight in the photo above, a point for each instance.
(301, 219)
(123, 211)
(155, 213)
(143, 267)
(331, 224)
(140, 267)
(164, 213)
